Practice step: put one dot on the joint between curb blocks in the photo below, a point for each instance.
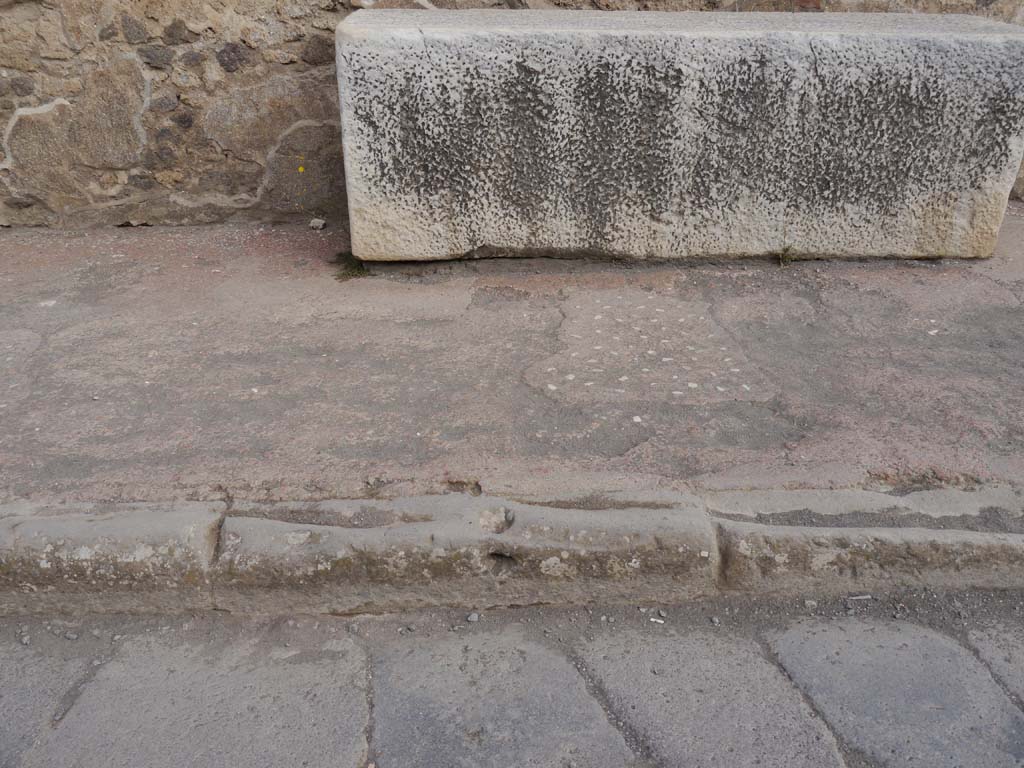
(352, 555)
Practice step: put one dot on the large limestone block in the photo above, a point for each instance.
(675, 135)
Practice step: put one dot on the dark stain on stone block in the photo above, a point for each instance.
(176, 33)
(133, 30)
(156, 56)
(23, 85)
(192, 59)
(183, 119)
(165, 103)
(232, 57)
(318, 50)
(747, 122)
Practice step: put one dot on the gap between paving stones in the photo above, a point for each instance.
(369, 555)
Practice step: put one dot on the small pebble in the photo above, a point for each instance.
(497, 520)
(810, 605)
(716, 621)
(317, 224)
(25, 640)
(473, 617)
(71, 635)
(662, 613)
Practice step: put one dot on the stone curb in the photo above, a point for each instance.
(344, 556)
(449, 551)
(758, 558)
(127, 555)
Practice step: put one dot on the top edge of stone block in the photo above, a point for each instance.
(696, 23)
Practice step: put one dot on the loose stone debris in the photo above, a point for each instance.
(497, 520)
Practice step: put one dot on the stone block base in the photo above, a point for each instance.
(674, 136)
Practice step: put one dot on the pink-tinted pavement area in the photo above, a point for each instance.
(236, 361)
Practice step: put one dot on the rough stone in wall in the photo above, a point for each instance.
(181, 111)
(172, 111)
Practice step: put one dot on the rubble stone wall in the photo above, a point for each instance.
(190, 111)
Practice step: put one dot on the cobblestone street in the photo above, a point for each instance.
(908, 679)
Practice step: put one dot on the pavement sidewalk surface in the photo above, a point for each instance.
(225, 403)
(234, 361)
(888, 680)
(225, 416)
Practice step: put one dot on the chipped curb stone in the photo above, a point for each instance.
(442, 555)
(111, 542)
(351, 555)
(759, 558)
(121, 553)
(779, 540)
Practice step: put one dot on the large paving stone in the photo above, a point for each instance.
(488, 700)
(33, 683)
(702, 700)
(904, 695)
(678, 135)
(1001, 646)
(247, 698)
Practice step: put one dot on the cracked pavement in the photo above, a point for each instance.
(237, 362)
(907, 678)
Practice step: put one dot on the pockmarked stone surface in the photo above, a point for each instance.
(903, 695)
(494, 700)
(32, 687)
(700, 699)
(1001, 646)
(272, 697)
(678, 135)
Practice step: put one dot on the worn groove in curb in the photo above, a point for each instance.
(353, 555)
